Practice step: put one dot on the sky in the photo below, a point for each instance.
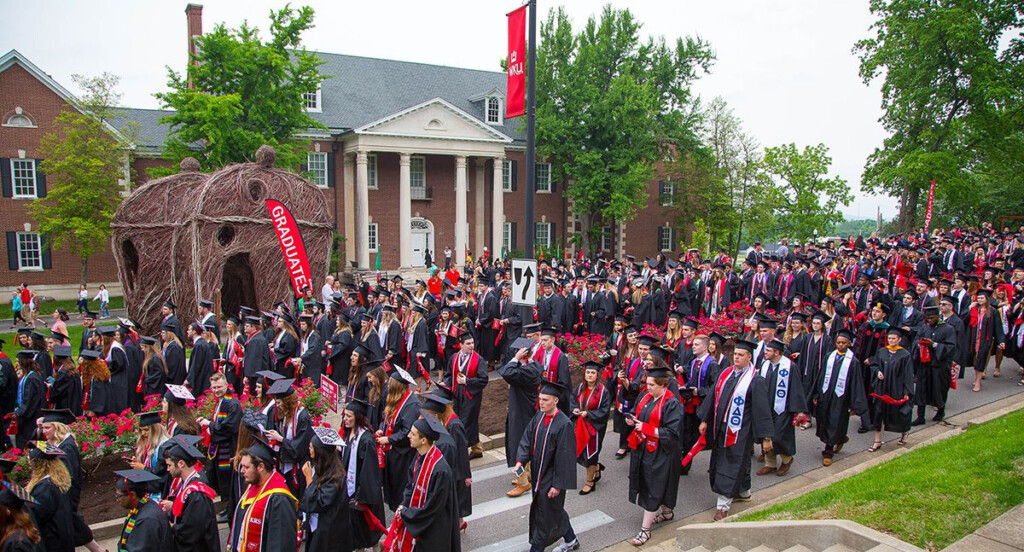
(786, 67)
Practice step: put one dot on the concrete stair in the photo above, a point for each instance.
(783, 536)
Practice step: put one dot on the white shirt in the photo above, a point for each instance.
(326, 294)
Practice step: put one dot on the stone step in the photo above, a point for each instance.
(798, 548)
(729, 548)
(839, 548)
(698, 549)
(763, 548)
(883, 548)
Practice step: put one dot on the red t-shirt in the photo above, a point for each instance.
(434, 285)
(26, 296)
(453, 275)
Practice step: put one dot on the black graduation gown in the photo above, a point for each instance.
(150, 532)
(962, 349)
(730, 466)
(328, 502)
(18, 541)
(784, 435)
(66, 392)
(983, 339)
(690, 428)
(155, 380)
(280, 524)
(522, 380)
(45, 363)
(562, 376)
(312, 359)
(342, 344)
(549, 445)
(393, 343)
(256, 357)
(293, 451)
(53, 516)
(72, 460)
(8, 386)
(813, 354)
(223, 438)
(368, 484)
(285, 349)
(174, 357)
(121, 383)
(459, 463)
(33, 401)
(933, 378)
(832, 412)
(435, 525)
(400, 456)
(200, 367)
(654, 476)
(470, 395)
(196, 528)
(598, 417)
(135, 356)
(175, 325)
(898, 371)
(489, 310)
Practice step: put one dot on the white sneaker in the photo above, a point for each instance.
(566, 546)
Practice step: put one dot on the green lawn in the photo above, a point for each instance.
(70, 305)
(11, 346)
(930, 497)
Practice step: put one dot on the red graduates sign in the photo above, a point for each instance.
(515, 103)
(294, 251)
(329, 392)
(931, 201)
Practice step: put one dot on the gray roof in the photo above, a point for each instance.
(361, 90)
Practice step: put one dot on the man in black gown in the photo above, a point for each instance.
(146, 528)
(523, 378)
(837, 391)
(192, 515)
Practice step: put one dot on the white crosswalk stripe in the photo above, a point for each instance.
(580, 524)
(498, 505)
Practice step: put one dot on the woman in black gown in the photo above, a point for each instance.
(31, 398)
(892, 389)
(66, 390)
(48, 485)
(363, 477)
(591, 404)
(324, 505)
(19, 532)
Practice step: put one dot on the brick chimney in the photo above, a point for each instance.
(194, 14)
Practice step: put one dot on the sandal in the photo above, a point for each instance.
(902, 440)
(874, 447)
(664, 515)
(600, 468)
(588, 487)
(805, 426)
(641, 538)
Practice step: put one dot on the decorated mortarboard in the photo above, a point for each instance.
(61, 415)
(552, 388)
(776, 344)
(62, 351)
(147, 419)
(358, 406)
(27, 354)
(42, 449)
(15, 496)
(399, 374)
(327, 437)
(281, 388)
(91, 354)
(146, 340)
(178, 394)
(745, 345)
(254, 420)
(429, 426)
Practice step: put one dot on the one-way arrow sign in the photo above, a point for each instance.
(524, 282)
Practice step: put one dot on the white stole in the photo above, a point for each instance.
(844, 369)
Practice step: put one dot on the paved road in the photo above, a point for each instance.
(605, 517)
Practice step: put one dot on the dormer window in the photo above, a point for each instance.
(312, 101)
(493, 111)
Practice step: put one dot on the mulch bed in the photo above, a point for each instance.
(98, 479)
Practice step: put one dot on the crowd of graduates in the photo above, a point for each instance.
(876, 328)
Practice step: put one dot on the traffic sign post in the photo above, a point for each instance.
(524, 282)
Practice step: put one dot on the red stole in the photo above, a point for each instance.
(471, 369)
(654, 422)
(194, 484)
(255, 500)
(399, 539)
(586, 433)
(389, 427)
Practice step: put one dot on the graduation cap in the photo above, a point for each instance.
(399, 374)
(37, 335)
(62, 415)
(690, 322)
(90, 315)
(746, 345)
(107, 331)
(659, 372)
(246, 311)
(429, 426)
(91, 354)
(57, 336)
(260, 449)
(776, 344)
(930, 309)
(15, 496)
(27, 354)
(62, 351)
(768, 322)
(253, 419)
(169, 304)
(884, 306)
(147, 419)
(281, 388)
(138, 481)
(326, 437)
(531, 328)
(799, 316)
(418, 307)
(46, 450)
(287, 318)
(985, 291)
(25, 331)
(146, 340)
(178, 394)
(717, 337)
(552, 388)
(185, 449)
(435, 402)
(897, 330)
(593, 365)
(678, 315)
(549, 331)
(648, 340)
(357, 406)
(167, 327)
(848, 334)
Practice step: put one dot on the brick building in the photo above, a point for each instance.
(415, 157)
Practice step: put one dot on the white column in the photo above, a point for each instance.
(404, 211)
(362, 213)
(479, 226)
(498, 211)
(349, 198)
(461, 240)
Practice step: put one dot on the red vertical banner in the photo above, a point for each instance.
(931, 201)
(292, 248)
(515, 93)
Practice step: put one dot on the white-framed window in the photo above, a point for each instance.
(665, 238)
(506, 238)
(543, 172)
(418, 177)
(666, 193)
(542, 234)
(373, 236)
(312, 101)
(30, 251)
(371, 171)
(506, 176)
(23, 177)
(19, 120)
(606, 238)
(316, 164)
(493, 110)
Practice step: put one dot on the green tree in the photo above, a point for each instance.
(804, 198)
(241, 92)
(609, 106)
(952, 74)
(85, 161)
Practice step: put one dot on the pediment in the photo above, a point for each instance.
(436, 119)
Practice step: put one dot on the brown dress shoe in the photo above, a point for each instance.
(475, 454)
(760, 458)
(720, 514)
(765, 470)
(518, 491)
(784, 468)
(826, 461)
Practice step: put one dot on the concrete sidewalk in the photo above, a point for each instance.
(1003, 534)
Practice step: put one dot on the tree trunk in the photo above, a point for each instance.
(908, 208)
(587, 219)
(85, 269)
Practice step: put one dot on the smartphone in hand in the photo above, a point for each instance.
(518, 471)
